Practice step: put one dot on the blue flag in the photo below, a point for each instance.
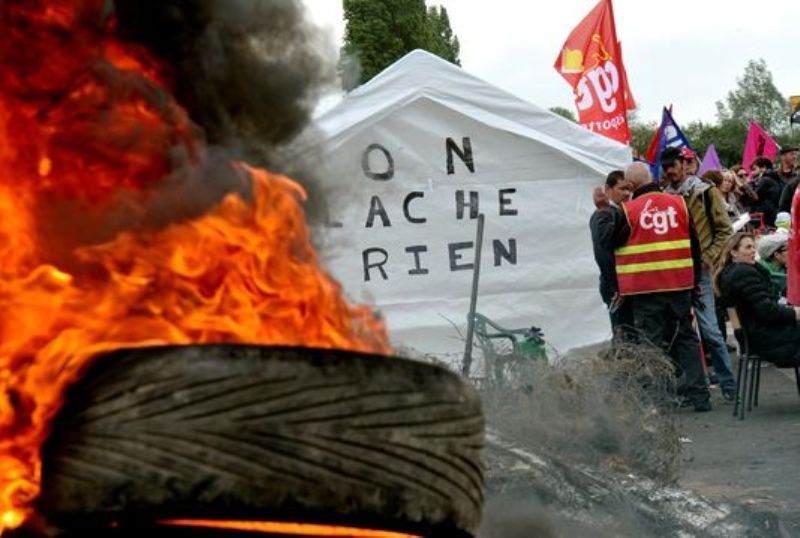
(667, 135)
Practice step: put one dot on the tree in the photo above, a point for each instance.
(564, 113)
(641, 136)
(444, 43)
(378, 32)
(755, 98)
(728, 137)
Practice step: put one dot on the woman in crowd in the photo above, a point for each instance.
(744, 189)
(742, 283)
(741, 173)
(726, 184)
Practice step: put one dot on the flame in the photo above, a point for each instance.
(283, 528)
(87, 121)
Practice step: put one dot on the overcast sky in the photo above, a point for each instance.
(684, 52)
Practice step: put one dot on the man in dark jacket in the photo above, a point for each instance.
(602, 224)
(658, 262)
(768, 186)
(790, 177)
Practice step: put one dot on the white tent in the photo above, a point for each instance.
(412, 155)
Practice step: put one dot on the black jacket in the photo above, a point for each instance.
(769, 188)
(771, 327)
(602, 225)
(785, 203)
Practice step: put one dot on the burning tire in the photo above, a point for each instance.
(255, 433)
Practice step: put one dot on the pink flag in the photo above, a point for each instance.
(758, 144)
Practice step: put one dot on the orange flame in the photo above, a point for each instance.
(84, 118)
(290, 529)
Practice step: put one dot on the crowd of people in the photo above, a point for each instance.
(671, 264)
(765, 191)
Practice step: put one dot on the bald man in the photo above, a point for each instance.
(638, 174)
(658, 263)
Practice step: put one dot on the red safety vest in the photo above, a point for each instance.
(658, 254)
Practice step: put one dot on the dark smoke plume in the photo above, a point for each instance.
(248, 71)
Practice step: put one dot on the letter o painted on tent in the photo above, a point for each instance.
(365, 163)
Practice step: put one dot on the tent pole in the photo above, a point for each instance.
(473, 300)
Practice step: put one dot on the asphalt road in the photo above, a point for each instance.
(755, 462)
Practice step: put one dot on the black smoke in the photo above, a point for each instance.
(248, 71)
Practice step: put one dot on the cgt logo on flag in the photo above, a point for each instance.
(599, 83)
(591, 62)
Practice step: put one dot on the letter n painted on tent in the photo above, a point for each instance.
(464, 153)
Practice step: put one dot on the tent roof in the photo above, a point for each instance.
(422, 75)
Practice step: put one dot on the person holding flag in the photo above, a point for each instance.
(768, 187)
(760, 151)
(591, 62)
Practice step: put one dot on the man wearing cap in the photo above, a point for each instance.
(657, 258)
(773, 256)
(692, 164)
(713, 227)
(789, 176)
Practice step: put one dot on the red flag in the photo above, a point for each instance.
(793, 265)
(758, 144)
(591, 62)
(651, 155)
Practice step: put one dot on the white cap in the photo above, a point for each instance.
(769, 244)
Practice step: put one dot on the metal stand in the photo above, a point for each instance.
(473, 301)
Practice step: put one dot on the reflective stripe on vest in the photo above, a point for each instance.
(658, 255)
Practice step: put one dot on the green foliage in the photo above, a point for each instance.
(641, 136)
(791, 137)
(378, 32)
(443, 42)
(728, 137)
(564, 113)
(756, 98)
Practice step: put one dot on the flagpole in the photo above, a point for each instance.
(613, 20)
(624, 80)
